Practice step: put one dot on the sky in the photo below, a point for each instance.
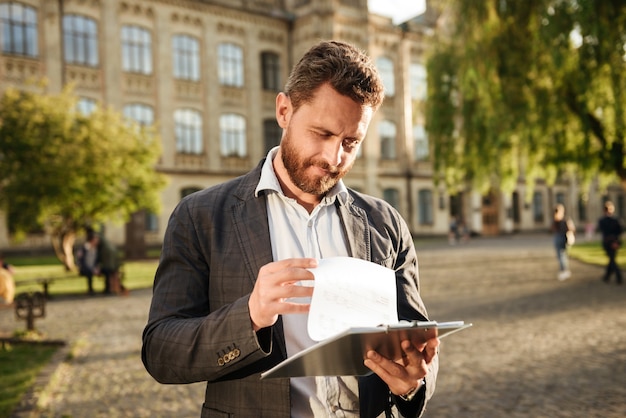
(399, 10)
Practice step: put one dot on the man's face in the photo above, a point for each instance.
(321, 139)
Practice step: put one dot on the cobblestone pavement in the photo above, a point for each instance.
(538, 347)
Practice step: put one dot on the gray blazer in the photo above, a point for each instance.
(199, 325)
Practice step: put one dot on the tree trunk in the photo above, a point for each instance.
(63, 245)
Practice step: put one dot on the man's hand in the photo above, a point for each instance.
(402, 375)
(275, 284)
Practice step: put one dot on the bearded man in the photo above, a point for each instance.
(229, 300)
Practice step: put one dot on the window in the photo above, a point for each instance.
(270, 71)
(425, 206)
(188, 190)
(230, 65)
(186, 56)
(152, 222)
(188, 131)
(80, 40)
(420, 139)
(86, 106)
(385, 68)
(233, 135)
(272, 134)
(140, 113)
(387, 132)
(417, 74)
(18, 29)
(136, 50)
(392, 196)
(538, 207)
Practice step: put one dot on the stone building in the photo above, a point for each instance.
(207, 72)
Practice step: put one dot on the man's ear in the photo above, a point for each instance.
(283, 109)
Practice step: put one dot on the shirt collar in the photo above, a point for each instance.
(269, 182)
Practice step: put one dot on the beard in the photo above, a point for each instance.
(297, 166)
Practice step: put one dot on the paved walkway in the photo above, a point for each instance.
(538, 347)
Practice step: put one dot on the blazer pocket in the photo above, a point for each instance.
(214, 413)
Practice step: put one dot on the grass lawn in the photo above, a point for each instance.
(137, 275)
(19, 365)
(591, 252)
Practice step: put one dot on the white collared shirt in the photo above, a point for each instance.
(294, 233)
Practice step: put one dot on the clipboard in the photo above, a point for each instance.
(343, 354)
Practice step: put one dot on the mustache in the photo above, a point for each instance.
(332, 169)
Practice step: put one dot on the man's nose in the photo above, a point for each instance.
(334, 152)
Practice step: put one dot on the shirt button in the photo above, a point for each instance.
(335, 408)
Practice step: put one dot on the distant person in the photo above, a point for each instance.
(560, 229)
(87, 259)
(7, 283)
(110, 263)
(453, 231)
(611, 229)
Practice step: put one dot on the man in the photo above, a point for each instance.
(611, 229)
(223, 308)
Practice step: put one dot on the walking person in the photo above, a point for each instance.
(234, 255)
(611, 229)
(561, 228)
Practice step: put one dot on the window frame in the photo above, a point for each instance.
(230, 65)
(188, 131)
(233, 141)
(19, 34)
(185, 57)
(80, 40)
(136, 50)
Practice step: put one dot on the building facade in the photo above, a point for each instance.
(207, 72)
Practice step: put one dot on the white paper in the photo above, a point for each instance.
(350, 292)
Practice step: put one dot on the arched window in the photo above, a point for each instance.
(270, 71)
(186, 57)
(272, 133)
(80, 40)
(385, 68)
(140, 113)
(188, 131)
(186, 191)
(18, 29)
(230, 65)
(232, 135)
(136, 50)
(425, 206)
(392, 196)
(387, 132)
(418, 81)
(420, 139)
(86, 106)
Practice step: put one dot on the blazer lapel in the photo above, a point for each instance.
(249, 217)
(355, 226)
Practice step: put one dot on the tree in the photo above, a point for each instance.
(528, 89)
(61, 170)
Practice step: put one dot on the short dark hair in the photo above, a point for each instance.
(348, 70)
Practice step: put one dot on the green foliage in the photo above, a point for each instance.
(61, 169)
(528, 89)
